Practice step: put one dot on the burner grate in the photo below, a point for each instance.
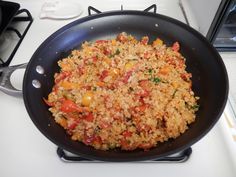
(180, 157)
(27, 18)
(92, 10)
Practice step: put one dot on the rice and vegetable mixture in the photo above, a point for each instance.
(123, 93)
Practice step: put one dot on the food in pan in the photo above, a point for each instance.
(123, 93)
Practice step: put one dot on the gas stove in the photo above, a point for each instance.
(26, 152)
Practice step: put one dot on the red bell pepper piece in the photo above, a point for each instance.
(89, 117)
(176, 47)
(145, 40)
(127, 76)
(68, 106)
(101, 41)
(62, 76)
(103, 75)
(127, 133)
(48, 103)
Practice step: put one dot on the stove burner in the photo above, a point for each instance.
(11, 39)
(179, 157)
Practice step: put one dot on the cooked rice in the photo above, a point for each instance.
(123, 93)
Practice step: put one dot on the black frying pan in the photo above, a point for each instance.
(0, 15)
(210, 80)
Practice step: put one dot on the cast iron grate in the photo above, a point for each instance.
(92, 10)
(26, 18)
(179, 157)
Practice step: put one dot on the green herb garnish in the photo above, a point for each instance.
(196, 107)
(94, 88)
(173, 95)
(150, 71)
(116, 53)
(156, 80)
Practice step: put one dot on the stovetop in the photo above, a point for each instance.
(26, 152)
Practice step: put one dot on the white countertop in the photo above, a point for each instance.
(26, 152)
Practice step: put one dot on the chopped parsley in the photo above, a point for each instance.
(94, 88)
(195, 107)
(116, 53)
(173, 95)
(156, 80)
(150, 71)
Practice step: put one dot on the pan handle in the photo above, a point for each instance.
(5, 82)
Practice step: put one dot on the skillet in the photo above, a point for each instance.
(210, 80)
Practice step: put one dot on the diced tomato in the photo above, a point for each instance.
(87, 60)
(171, 61)
(122, 37)
(181, 63)
(101, 41)
(48, 103)
(81, 70)
(141, 108)
(124, 144)
(145, 146)
(92, 139)
(117, 118)
(88, 139)
(97, 139)
(87, 87)
(143, 93)
(95, 59)
(62, 76)
(74, 117)
(68, 106)
(94, 49)
(127, 146)
(177, 62)
(145, 40)
(72, 126)
(186, 76)
(147, 55)
(103, 75)
(106, 51)
(89, 117)
(127, 76)
(143, 127)
(144, 84)
(141, 100)
(164, 70)
(176, 47)
(104, 125)
(55, 88)
(127, 133)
